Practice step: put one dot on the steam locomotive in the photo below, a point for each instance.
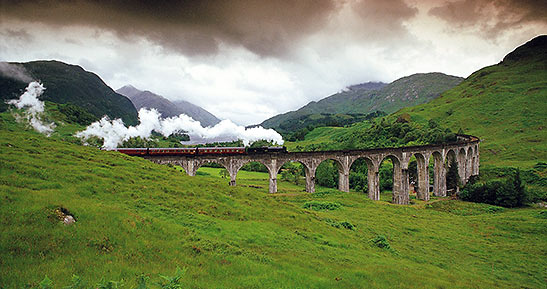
(199, 151)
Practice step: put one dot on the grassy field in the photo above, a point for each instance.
(134, 217)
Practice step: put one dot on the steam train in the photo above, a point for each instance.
(199, 151)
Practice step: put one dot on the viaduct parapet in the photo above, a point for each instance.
(465, 151)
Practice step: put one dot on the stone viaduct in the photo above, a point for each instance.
(465, 151)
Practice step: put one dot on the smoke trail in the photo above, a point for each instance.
(114, 132)
(34, 106)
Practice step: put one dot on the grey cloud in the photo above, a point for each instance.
(191, 27)
(383, 19)
(492, 17)
(267, 28)
(15, 71)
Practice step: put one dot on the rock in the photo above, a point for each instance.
(69, 220)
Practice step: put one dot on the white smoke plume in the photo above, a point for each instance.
(114, 132)
(34, 107)
(14, 71)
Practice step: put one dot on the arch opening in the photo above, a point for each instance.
(327, 173)
(391, 181)
(452, 173)
(294, 174)
(212, 168)
(363, 177)
(418, 174)
(253, 174)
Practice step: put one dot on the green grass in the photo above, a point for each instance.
(135, 217)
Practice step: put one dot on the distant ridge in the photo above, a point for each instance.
(166, 107)
(369, 97)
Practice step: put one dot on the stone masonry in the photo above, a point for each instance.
(465, 150)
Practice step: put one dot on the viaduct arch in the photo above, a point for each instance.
(465, 150)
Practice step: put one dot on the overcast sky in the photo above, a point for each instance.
(249, 60)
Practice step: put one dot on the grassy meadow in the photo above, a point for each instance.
(134, 217)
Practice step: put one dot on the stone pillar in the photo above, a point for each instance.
(439, 178)
(189, 167)
(423, 179)
(310, 180)
(343, 180)
(400, 184)
(373, 183)
(477, 161)
(273, 176)
(461, 168)
(233, 179)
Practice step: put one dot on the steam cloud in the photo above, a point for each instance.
(114, 132)
(30, 100)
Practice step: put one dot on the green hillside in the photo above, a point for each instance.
(134, 217)
(504, 104)
(71, 84)
(364, 99)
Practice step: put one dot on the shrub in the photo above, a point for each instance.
(380, 242)
(321, 206)
(343, 224)
(508, 192)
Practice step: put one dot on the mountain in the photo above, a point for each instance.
(166, 107)
(370, 97)
(67, 83)
(504, 104)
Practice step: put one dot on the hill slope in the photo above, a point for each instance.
(130, 220)
(167, 108)
(407, 91)
(71, 84)
(504, 104)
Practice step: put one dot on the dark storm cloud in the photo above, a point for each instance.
(199, 27)
(492, 16)
(192, 27)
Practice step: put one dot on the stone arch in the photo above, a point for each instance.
(309, 172)
(422, 161)
(372, 176)
(451, 155)
(400, 180)
(341, 170)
